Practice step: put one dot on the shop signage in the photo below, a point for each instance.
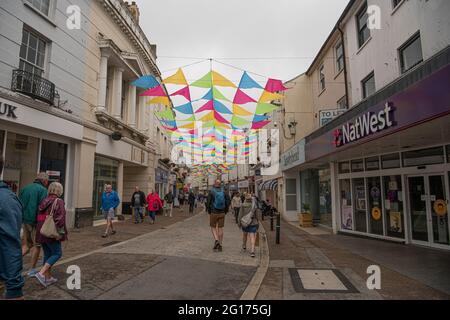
(243, 184)
(294, 157)
(364, 126)
(8, 110)
(162, 176)
(326, 116)
(440, 207)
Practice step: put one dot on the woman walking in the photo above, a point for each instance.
(249, 223)
(154, 205)
(52, 205)
(236, 204)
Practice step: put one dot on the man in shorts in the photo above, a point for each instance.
(30, 197)
(217, 206)
(110, 202)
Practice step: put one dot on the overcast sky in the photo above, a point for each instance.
(240, 32)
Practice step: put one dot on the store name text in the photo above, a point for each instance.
(364, 126)
(8, 110)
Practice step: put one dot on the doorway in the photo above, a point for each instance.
(428, 203)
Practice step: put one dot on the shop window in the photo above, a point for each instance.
(357, 165)
(390, 161)
(325, 197)
(344, 167)
(21, 160)
(360, 205)
(372, 164)
(346, 205)
(423, 157)
(53, 160)
(291, 195)
(375, 206)
(105, 172)
(393, 206)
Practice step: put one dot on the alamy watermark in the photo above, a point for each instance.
(374, 280)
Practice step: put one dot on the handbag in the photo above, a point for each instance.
(247, 219)
(49, 229)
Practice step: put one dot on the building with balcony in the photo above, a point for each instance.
(70, 107)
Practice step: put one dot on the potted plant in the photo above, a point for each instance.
(305, 217)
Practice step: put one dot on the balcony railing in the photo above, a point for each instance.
(34, 86)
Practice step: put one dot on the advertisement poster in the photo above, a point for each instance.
(347, 218)
(395, 222)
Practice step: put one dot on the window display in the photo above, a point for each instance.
(393, 206)
(53, 160)
(346, 205)
(105, 172)
(359, 191)
(325, 197)
(375, 206)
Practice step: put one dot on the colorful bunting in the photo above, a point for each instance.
(155, 92)
(146, 82)
(177, 78)
(183, 92)
(242, 98)
(275, 86)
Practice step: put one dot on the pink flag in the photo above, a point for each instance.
(183, 92)
(259, 125)
(155, 92)
(220, 118)
(275, 86)
(241, 97)
(208, 106)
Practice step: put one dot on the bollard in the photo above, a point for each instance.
(278, 228)
(271, 222)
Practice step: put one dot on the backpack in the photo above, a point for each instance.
(219, 200)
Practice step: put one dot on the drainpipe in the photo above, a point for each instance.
(345, 66)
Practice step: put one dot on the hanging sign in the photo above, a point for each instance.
(440, 207)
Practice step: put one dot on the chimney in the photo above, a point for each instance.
(134, 10)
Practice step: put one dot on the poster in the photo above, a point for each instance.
(347, 218)
(395, 221)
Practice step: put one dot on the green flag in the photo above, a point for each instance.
(264, 108)
(205, 82)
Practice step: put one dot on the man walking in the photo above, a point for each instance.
(30, 197)
(110, 202)
(191, 201)
(10, 246)
(217, 206)
(138, 204)
(168, 199)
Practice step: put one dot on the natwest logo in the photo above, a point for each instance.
(364, 126)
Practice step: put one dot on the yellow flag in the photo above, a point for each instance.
(177, 78)
(268, 96)
(208, 117)
(220, 81)
(160, 100)
(239, 111)
(188, 126)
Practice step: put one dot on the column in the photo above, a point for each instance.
(120, 187)
(132, 106)
(117, 93)
(142, 114)
(335, 198)
(103, 82)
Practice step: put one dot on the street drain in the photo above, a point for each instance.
(110, 243)
(320, 281)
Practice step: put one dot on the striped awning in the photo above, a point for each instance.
(269, 185)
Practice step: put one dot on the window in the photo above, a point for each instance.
(42, 6)
(368, 86)
(411, 53)
(291, 195)
(342, 103)
(375, 205)
(339, 57)
(363, 30)
(448, 153)
(390, 161)
(322, 78)
(32, 53)
(393, 206)
(423, 157)
(360, 205)
(344, 167)
(372, 164)
(346, 205)
(358, 165)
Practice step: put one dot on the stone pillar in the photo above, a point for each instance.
(120, 187)
(142, 114)
(132, 106)
(335, 198)
(103, 82)
(117, 93)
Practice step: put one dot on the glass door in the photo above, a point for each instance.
(429, 210)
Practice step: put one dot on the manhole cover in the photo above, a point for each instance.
(320, 281)
(110, 243)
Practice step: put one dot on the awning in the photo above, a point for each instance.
(269, 185)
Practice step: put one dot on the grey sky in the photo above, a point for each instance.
(240, 29)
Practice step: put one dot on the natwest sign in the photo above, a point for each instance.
(364, 126)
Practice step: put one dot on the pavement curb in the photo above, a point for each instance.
(253, 287)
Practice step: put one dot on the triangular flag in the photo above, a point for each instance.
(190, 119)
(183, 92)
(208, 106)
(155, 92)
(160, 100)
(185, 108)
(166, 114)
(208, 96)
(219, 118)
(275, 86)
(236, 121)
(269, 96)
(218, 95)
(188, 126)
(248, 83)
(204, 82)
(177, 78)
(264, 108)
(146, 82)
(237, 110)
(220, 107)
(259, 118)
(220, 81)
(242, 98)
(259, 125)
(208, 117)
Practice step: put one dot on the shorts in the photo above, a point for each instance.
(251, 229)
(29, 235)
(110, 214)
(217, 219)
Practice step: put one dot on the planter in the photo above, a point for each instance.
(305, 220)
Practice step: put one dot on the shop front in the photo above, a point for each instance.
(389, 162)
(161, 182)
(106, 172)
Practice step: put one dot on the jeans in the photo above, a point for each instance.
(52, 252)
(138, 214)
(152, 215)
(236, 214)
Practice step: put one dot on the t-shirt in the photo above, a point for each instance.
(137, 199)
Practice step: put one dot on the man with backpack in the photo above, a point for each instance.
(217, 205)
